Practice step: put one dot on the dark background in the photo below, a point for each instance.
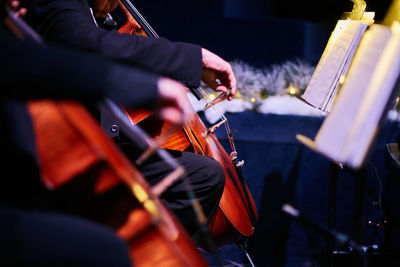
(325, 11)
(259, 32)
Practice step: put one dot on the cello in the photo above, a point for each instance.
(236, 215)
(92, 185)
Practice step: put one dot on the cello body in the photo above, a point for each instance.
(82, 165)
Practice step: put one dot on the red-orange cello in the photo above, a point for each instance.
(78, 158)
(236, 216)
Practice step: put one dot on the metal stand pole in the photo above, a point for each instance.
(333, 180)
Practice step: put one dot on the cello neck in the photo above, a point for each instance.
(132, 13)
(136, 21)
(19, 27)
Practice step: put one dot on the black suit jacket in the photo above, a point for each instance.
(70, 22)
(31, 71)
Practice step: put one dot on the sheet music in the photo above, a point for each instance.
(334, 63)
(346, 65)
(338, 131)
(375, 102)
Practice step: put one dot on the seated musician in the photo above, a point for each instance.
(71, 23)
(31, 233)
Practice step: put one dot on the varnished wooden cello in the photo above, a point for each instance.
(90, 175)
(236, 216)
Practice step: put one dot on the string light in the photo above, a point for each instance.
(293, 90)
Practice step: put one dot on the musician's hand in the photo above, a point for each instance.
(218, 74)
(14, 6)
(174, 105)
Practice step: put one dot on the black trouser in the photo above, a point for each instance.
(52, 239)
(206, 177)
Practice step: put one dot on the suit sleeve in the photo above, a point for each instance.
(70, 22)
(29, 70)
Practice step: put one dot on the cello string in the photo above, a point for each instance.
(222, 118)
(141, 18)
(235, 161)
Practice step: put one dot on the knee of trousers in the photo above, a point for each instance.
(216, 176)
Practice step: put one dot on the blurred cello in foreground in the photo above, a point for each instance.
(90, 177)
(236, 216)
(83, 166)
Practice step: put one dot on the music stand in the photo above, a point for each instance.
(360, 177)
